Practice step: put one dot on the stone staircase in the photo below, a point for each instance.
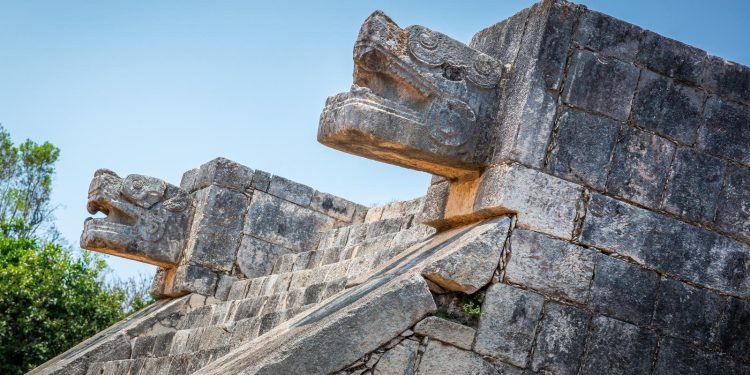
(185, 341)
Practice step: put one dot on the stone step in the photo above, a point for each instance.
(356, 233)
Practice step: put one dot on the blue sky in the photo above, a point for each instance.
(161, 87)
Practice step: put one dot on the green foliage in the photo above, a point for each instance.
(26, 173)
(472, 304)
(49, 300)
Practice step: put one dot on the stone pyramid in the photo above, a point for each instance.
(589, 214)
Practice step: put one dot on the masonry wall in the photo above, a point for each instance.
(625, 157)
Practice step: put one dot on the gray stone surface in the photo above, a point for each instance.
(283, 223)
(420, 99)
(677, 357)
(333, 206)
(446, 331)
(602, 85)
(506, 327)
(550, 266)
(256, 258)
(615, 347)
(399, 360)
(261, 180)
(583, 147)
(733, 333)
(190, 278)
(544, 203)
(435, 202)
(670, 57)
(623, 290)
(469, 266)
(609, 36)
(225, 173)
(669, 108)
(733, 212)
(290, 191)
(686, 311)
(639, 167)
(727, 78)
(694, 185)
(561, 339)
(724, 131)
(441, 359)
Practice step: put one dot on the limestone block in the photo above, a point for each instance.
(550, 266)
(191, 278)
(602, 85)
(670, 57)
(506, 327)
(256, 258)
(333, 206)
(436, 200)
(225, 173)
(639, 167)
(616, 347)
(583, 147)
(733, 214)
(76, 360)
(694, 185)
(544, 203)
(561, 339)
(668, 245)
(733, 334)
(261, 180)
(503, 39)
(677, 357)
(724, 130)
(223, 287)
(609, 36)
(668, 108)
(623, 290)
(187, 182)
(215, 234)
(283, 223)
(446, 331)
(727, 78)
(399, 360)
(386, 226)
(686, 311)
(441, 359)
(291, 191)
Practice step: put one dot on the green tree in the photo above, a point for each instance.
(49, 300)
(50, 297)
(26, 173)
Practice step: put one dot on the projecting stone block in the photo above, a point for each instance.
(670, 57)
(733, 334)
(733, 213)
(290, 191)
(255, 258)
(694, 185)
(219, 208)
(583, 148)
(441, 359)
(678, 357)
(225, 173)
(601, 85)
(551, 266)
(470, 266)
(283, 223)
(727, 78)
(609, 36)
(544, 203)
(623, 290)
(503, 39)
(446, 331)
(686, 311)
(561, 338)
(261, 180)
(506, 327)
(667, 107)
(333, 206)
(639, 167)
(725, 131)
(190, 278)
(616, 347)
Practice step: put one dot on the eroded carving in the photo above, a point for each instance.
(420, 100)
(146, 219)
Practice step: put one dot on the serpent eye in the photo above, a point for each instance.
(483, 65)
(137, 184)
(427, 40)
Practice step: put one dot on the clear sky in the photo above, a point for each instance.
(159, 87)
